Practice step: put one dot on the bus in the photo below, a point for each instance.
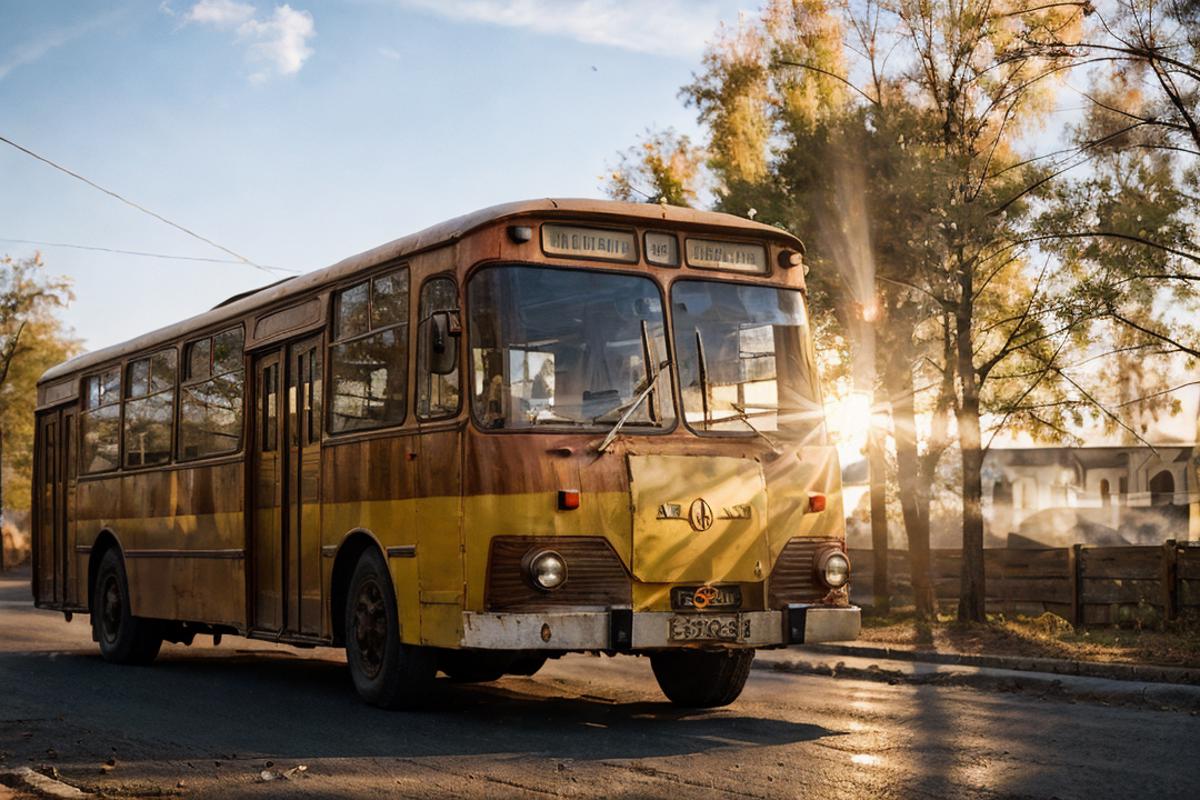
(547, 427)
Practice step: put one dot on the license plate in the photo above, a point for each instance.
(709, 628)
(683, 598)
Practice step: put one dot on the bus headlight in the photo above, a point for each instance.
(546, 570)
(833, 568)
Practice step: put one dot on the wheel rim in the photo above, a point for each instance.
(370, 627)
(110, 608)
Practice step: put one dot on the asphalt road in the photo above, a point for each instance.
(207, 722)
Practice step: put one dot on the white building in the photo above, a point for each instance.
(1091, 495)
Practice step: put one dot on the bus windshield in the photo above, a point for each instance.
(744, 359)
(567, 348)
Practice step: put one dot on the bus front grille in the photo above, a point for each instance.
(794, 578)
(596, 578)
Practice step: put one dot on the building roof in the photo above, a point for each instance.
(443, 233)
(1088, 456)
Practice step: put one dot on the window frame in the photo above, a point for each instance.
(85, 411)
(183, 383)
(664, 292)
(328, 429)
(815, 377)
(462, 339)
(174, 389)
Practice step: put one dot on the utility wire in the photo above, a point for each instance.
(130, 252)
(241, 258)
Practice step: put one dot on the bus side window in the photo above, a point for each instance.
(210, 405)
(437, 340)
(100, 422)
(368, 358)
(268, 399)
(149, 409)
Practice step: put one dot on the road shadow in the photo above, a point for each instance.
(272, 704)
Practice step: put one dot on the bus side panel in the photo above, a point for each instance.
(371, 485)
(439, 538)
(511, 485)
(790, 484)
(183, 537)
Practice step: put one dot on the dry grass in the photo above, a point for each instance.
(1045, 636)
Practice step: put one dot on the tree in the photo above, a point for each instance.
(889, 134)
(1128, 217)
(896, 137)
(663, 168)
(31, 341)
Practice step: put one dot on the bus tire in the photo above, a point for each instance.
(387, 673)
(123, 638)
(702, 679)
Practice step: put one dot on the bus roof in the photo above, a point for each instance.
(442, 233)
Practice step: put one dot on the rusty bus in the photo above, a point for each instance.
(546, 427)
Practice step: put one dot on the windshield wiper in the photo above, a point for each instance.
(644, 392)
(744, 416)
(648, 360)
(702, 363)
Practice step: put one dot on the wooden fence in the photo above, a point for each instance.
(1083, 584)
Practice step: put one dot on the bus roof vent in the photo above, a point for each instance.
(248, 293)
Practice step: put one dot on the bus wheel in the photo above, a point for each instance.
(123, 638)
(700, 679)
(386, 672)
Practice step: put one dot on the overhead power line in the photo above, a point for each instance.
(119, 251)
(241, 258)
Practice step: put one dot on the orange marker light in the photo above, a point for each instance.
(816, 503)
(568, 499)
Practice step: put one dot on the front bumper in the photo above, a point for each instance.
(623, 630)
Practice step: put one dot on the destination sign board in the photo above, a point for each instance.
(662, 249)
(730, 256)
(570, 240)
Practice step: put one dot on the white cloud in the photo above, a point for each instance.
(220, 13)
(677, 28)
(278, 43)
(281, 42)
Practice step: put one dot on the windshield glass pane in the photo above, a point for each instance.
(567, 348)
(743, 356)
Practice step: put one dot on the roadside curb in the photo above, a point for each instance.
(26, 778)
(1143, 673)
(1067, 687)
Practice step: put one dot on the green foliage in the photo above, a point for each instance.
(663, 168)
(1017, 291)
(31, 341)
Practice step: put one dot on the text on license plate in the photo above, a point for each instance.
(709, 628)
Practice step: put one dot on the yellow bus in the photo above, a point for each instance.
(546, 427)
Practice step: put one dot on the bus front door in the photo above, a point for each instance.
(286, 540)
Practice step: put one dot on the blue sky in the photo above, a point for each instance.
(300, 133)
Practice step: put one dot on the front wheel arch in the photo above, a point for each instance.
(352, 548)
(105, 541)
(386, 672)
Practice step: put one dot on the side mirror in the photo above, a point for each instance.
(444, 330)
